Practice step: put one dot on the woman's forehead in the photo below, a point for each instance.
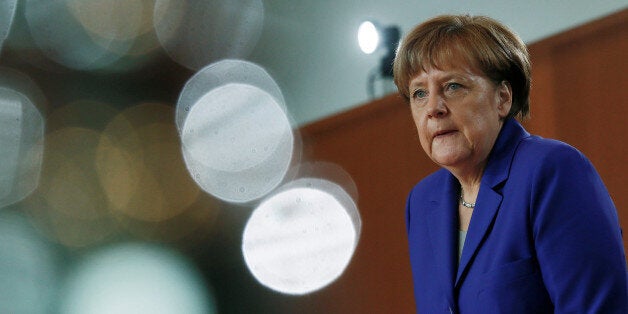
(446, 56)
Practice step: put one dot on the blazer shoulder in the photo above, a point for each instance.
(427, 184)
(549, 152)
(423, 192)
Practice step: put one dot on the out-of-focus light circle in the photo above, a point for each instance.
(191, 228)
(237, 142)
(302, 238)
(368, 37)
(21, 142)
(221, 73)
(198, 32)
(7, 13)
(135, 278)
(70, 205)
(27, 268)
(60, 36)
(23, 84)
(234, 127)
(139, 165)
(111, 19)
(331, 172)
(119, 20)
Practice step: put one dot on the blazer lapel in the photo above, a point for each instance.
(489, 197)
(443, 233)
(484, 213)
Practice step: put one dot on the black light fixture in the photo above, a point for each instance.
(372, 36)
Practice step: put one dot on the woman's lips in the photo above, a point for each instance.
(443, 133)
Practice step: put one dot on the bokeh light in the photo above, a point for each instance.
(108, 171)
(302, 237)
(110, 19)
(191, 228)
(237, 142)
(135, 278)
(139, 164)
(7, 13)
(330, 172)
(27, 268)
(221, 73)
(23, 84)
(70, 205)
(21, 139)
(196, 33)
(125, 21)
(61, 36)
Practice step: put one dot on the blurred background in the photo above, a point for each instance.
(245, 156)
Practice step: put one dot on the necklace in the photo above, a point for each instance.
(465, 204)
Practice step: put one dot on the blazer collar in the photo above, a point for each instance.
(500, 158)
(443, 217)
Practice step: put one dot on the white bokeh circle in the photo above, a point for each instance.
(135, 278)
(237, 142)
(221, 73)
(302, 238)
(7, 15)
(21, 139)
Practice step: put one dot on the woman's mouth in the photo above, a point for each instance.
(443, 133)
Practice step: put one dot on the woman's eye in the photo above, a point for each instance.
(453, 86)
(419, 94)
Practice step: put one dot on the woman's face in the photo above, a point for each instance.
(458, 112)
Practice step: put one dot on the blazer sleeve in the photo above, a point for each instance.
(408, 212)
(577, 236)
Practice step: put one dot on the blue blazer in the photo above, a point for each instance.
(544, 236)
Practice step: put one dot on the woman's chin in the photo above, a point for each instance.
(447, 160)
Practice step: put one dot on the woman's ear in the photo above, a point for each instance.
(504, 94)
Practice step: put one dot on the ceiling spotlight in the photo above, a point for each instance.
(368, 37)
(372, 36)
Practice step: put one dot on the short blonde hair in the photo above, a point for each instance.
(478, 40)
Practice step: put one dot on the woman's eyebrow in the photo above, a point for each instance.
(447, 76)
(416, 82)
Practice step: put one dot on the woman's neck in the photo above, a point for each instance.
(469, 179)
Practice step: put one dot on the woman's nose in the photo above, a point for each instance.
(436, 107)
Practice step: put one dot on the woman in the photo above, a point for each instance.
(513, 223)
